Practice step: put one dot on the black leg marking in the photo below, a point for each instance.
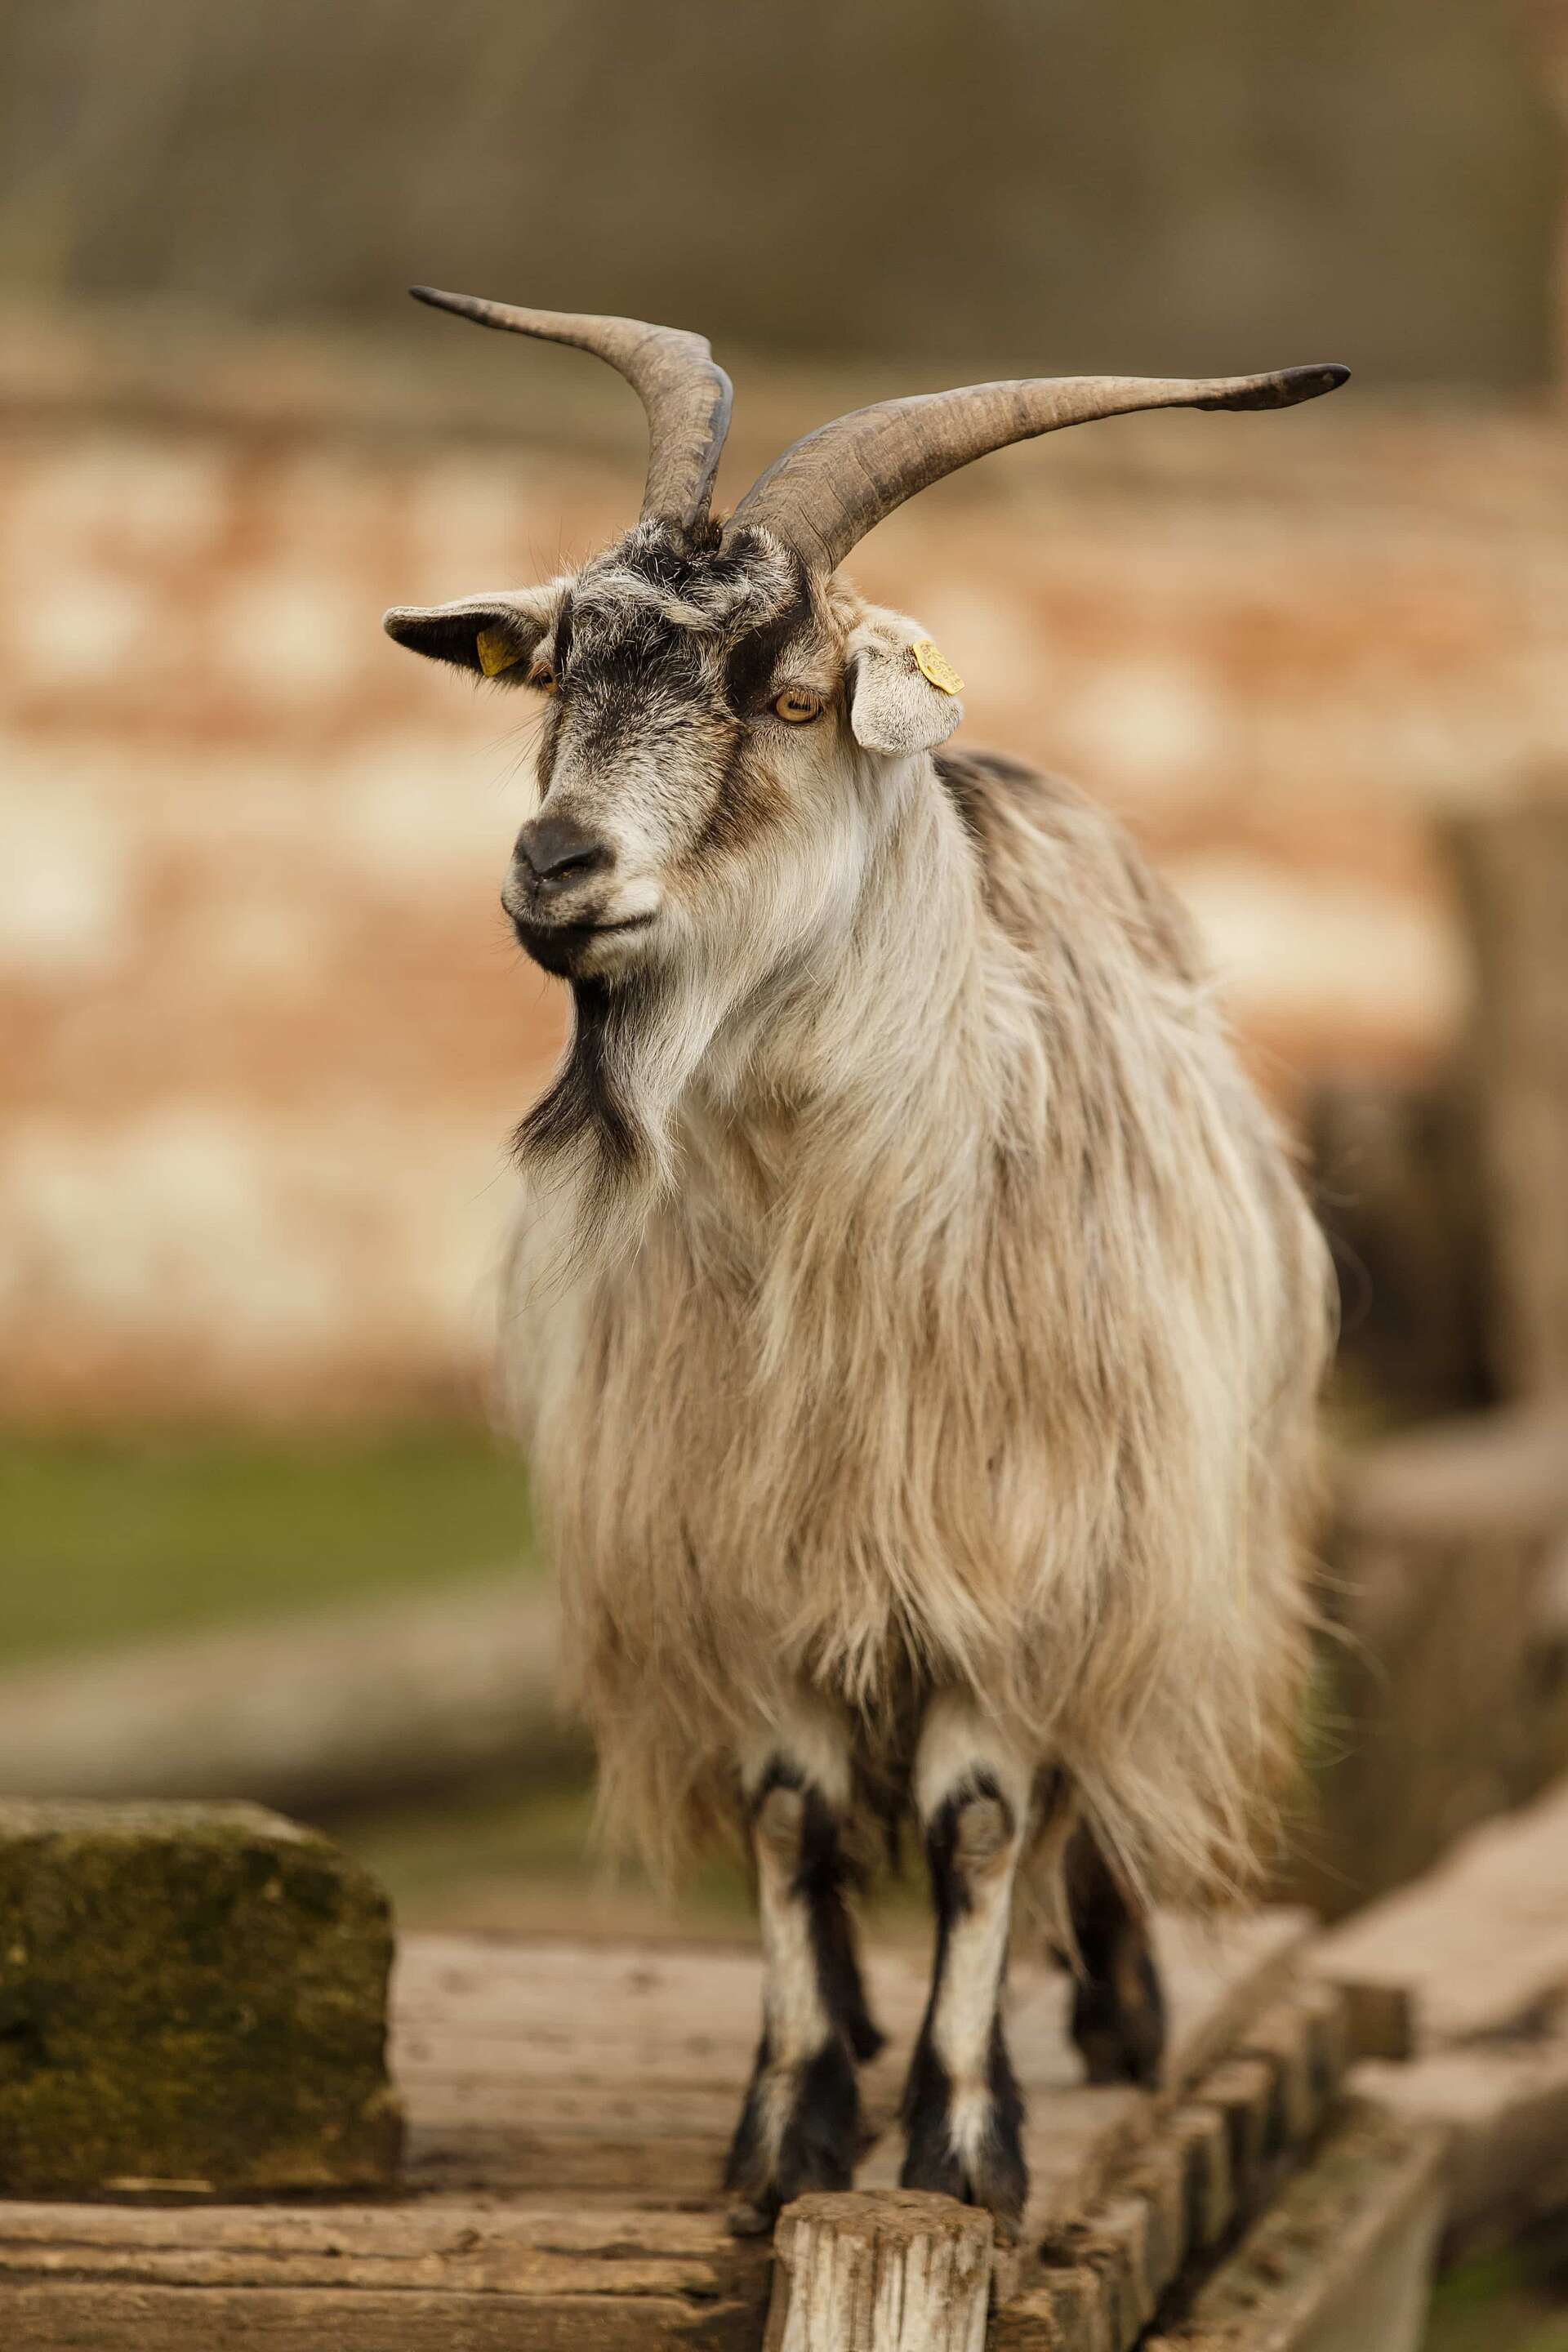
(813, 2142)
(823, 1883)
(800, 2127)
(962, 2109)
(993, 2172)
(1119, 2006)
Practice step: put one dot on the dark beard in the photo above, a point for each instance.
(584, 1113)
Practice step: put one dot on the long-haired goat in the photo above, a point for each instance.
(914, 1322)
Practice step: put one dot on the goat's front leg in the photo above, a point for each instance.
(963, 2111)
(800, 2127)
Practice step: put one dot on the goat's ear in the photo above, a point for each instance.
(903, 696)
(497, 637)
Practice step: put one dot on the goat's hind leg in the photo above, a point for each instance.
(1118, 2006)
(964, 2112)
(799, 2129)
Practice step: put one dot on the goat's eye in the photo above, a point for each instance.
(541, 678)
(798, 704)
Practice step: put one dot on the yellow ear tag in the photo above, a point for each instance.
(496, 652)
(936, 666)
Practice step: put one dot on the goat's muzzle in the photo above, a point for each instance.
(556, 852)
(571, 949)
(555, 895)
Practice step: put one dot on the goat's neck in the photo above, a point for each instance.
(881, 1029)
(857, 1087)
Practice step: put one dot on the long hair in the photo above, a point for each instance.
(960, 1326)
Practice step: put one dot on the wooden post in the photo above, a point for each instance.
(1397, 1188)
(899, 2270)
(1512, 870)
(1438, 1711)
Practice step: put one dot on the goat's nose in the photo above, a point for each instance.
(559, 849)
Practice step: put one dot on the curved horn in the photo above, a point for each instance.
(828, 492)
(687, 395)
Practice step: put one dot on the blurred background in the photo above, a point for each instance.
(265, 1031)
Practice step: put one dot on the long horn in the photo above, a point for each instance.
(687, 395)
(828, 490)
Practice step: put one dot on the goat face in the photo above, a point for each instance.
(724, 719)
(719, 736)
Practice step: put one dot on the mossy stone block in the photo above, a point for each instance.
(191, 1997)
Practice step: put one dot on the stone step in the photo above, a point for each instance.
(192, 2000)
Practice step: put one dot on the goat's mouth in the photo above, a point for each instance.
(562, 948)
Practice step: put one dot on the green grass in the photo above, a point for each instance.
(103, 1540)
(1515, 2300)
(505, 1857)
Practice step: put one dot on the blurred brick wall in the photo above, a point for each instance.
(262, 1031)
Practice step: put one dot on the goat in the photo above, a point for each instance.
(913, 1319)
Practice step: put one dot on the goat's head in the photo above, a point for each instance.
(725, 725)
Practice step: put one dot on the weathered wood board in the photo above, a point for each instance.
(1342, 2261)
(1512, 865)
(1474, 1959)
(1441, 1579)
(568, 2109)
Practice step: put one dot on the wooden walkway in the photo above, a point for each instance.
(568, 2109)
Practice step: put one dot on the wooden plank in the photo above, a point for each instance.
(501, 2271)
(1477, 1943)
(1219, 1977)
(502, 2084)
(410, 1692)
(395, 2229)
(1504, 2111)
(512, 2164)
(471, 2250)
(575, 2110)
(73, 2316)
(567, 2103)
(1478, 1949)
(1502, 1474)
(1099, 2278)
(500, 1992)
(1341, 2261)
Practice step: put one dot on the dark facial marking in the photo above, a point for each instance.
(734, 809)
(563, 640)
(752, 660)
(616, 667)
(549, 744)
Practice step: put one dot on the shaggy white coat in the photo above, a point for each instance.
(959, 1328)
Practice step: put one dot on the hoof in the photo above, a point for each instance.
(1119, 2023)
(970, 2147)
(800, 2129)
